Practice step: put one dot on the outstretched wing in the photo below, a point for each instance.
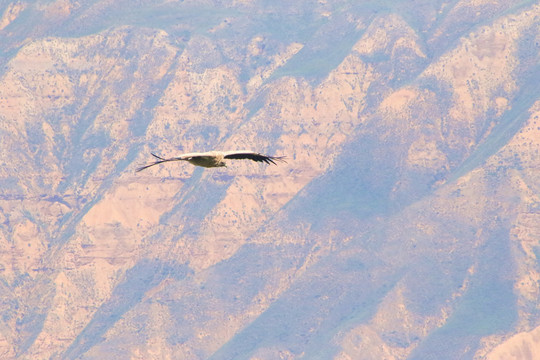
(159, 161)
(251, 155)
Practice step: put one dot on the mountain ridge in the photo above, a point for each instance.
(407, 207)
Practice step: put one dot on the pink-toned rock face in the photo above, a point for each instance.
(404, 225)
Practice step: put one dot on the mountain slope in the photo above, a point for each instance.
(403, 226)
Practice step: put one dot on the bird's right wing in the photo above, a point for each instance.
(252, 155)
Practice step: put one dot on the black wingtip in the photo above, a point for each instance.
(143, 167)
(160, 160)
(276, 158)
(157, 157)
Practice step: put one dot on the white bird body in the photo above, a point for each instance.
(211, 159)
(207, 159)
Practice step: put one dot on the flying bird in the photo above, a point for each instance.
(216, 158)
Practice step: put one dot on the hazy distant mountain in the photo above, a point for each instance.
(405, 225)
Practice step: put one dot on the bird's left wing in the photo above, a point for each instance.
(161, 160)
(252, 155)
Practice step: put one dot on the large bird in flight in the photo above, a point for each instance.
(216, 158)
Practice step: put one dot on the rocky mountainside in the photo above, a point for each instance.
(404, 225)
